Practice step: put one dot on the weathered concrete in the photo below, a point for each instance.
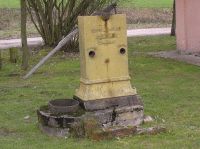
(187, 25)
(82, 124)
(103, 58)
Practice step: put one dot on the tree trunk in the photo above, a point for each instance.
(25, 50)
(0, 61)
(173, 29)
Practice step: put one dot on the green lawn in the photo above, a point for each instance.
(147, 3)
(126, 3)
(9, 3)
(170, 91)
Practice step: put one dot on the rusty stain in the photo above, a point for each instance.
(107, 63)
(106, 27)
(113, 35)
(107, 60)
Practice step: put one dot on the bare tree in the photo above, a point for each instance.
(26, 52)
(54, 19)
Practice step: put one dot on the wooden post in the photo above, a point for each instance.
(13, 55)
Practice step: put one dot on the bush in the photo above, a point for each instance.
(54, 19)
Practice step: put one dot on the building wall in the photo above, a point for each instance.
(188, 25)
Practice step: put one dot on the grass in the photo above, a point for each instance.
(170, 92)
(126, 3)
(147, 3)
(9, 3)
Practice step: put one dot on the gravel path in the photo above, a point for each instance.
(37, 41)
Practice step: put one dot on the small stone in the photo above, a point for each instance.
(118, 138)
(107, 125)
(27, 117)
(148, 119)
(66, 137)
(151, 130)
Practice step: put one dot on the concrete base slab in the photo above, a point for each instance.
(190, 58)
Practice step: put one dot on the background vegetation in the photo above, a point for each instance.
(140, 14)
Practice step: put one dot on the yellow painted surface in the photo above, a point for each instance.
(105, 75)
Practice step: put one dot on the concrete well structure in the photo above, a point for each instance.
(188, 25)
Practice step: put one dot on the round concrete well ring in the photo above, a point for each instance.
(63, 106)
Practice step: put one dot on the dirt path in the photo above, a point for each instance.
(16, 43)
(148, 32)
(37, 41)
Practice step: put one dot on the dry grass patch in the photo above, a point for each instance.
(147, 16)
(10, 24)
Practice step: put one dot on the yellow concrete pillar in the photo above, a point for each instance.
(103, 58)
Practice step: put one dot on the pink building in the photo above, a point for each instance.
(188, 25)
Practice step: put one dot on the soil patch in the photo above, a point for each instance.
(10, 24)
(147, 15)
(6, 132)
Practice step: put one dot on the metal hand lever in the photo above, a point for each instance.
(107, 12)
